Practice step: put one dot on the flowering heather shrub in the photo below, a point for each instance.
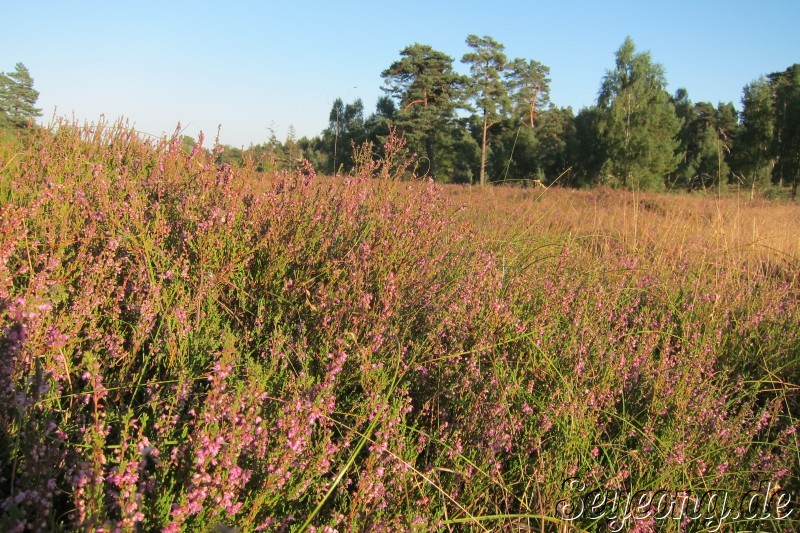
(187, 345)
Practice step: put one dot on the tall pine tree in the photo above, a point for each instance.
(428, 92)
(530, 88)
(489, 90)
(18, 98)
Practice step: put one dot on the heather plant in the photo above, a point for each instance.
(187, 345)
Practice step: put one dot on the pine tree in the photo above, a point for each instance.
(530, 88)
(428, 92)
(486, 64)
(18, 98)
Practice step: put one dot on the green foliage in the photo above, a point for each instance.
(529, 87)
(344, 133)
(555, 131)
(706, 142)
(767, 148)
(488, 89)
(786, 87)
(637, 122)
(513, 152)
(428, 92)
(378, 124)
(188, 143)
(587, 149)
(755, 150)
(18, 98)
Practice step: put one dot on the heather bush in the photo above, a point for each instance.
(188, 345)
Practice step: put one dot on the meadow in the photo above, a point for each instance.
(195, 347)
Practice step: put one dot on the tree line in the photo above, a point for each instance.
(497, 124)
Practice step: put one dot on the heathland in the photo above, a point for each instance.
(189, 345)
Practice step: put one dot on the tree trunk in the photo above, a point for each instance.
(429, 150)
(533, 107)
(483, 149)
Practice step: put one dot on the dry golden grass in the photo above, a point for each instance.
(731, 232)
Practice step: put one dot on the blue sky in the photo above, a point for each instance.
(256, 66)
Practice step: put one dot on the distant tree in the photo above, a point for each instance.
(728, 124)
(755, 152)
(637, 121)
(271, 155)
(378, 123)
(230, 155)
(682, 104)
(514, 150)
(291, 149)
(461, 158)
(428, 92)
(586, 148)
(786, 90)
(529, 87)
(18, 98)
(345, 130)
(512, 156)
(188, 143)
(555, 131)
(705, 137)
(490, 93)
(767, 148)
(314, 150)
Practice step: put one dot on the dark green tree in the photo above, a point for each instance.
(463, 155)
(18, 98)
(706, 138)
(189, 143)
(786, 90)
(755, 151)
(230, 155)
(378, 124)
(555, 132)
(346, 129)
(490, 93)
(512, 153)
(428, 92)
(514, 150)
(314, 150)
(586, 149)
(637, 121)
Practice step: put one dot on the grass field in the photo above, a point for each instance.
(189, 347)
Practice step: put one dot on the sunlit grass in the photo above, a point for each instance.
(191, 344)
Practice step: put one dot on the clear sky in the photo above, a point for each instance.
(256, 66)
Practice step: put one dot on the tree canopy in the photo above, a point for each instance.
(490, 94)
(18, 98)
(637, 121)
(428, 92)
